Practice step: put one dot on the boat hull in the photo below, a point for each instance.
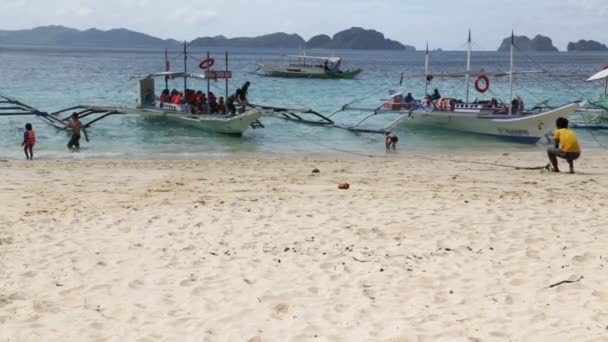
(527, 129)
(217, 123)
(235, 125)
(310, 73)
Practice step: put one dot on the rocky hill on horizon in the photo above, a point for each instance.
(538, 43)
(60, 36)
(587, 45)
(57, 35)
(356, 38)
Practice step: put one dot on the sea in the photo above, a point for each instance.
(51, 79)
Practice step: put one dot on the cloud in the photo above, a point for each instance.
(192, 16)
(137, 3)
(73, 11)
(13, 4)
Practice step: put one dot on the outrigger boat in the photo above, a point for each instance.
(594, 114)
(505, 121)
(303, 66)
(148, 104)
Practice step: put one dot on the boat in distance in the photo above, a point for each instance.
(303, 66)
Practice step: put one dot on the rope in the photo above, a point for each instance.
(309, 139)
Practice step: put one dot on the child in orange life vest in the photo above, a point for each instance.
(29, 140)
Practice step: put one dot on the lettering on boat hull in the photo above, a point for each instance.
(507, 131)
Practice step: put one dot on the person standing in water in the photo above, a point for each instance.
(29, 140)
(391, 141)
(76, 126)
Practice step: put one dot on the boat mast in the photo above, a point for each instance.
(185, 68)
(208, 80)
(511, 74)
(226, 75)
(426, 71)
(167, 67)
(468, 65)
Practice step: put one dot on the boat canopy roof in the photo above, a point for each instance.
(329, 59)
(172, 75)
(599, 76)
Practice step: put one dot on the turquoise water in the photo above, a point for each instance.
(52, 79)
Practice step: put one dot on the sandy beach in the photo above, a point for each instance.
(246, 249)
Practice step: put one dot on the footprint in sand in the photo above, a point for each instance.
(28, 274)
(280, 311)
(136, 284)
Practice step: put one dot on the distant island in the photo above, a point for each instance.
(69, 37)
(538, 43)
(354, 38)
(274, 40)
(587, 45)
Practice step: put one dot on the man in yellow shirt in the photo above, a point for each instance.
(566, 145)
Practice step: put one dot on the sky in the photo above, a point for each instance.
(441, 23)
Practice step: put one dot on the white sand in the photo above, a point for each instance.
(263, 250)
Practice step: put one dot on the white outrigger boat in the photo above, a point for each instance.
(594, 113)
(303, 66)
(149, 104)
(505, 121)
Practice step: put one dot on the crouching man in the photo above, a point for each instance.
(566, 145)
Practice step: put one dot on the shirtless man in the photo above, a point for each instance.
(76, 127)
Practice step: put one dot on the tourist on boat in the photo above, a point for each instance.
(233, 100)
(221, 106)
(391, 141)
(29, 140)
(409, 102)
(514, 106)
(245, 92)
(436, 96)
(566, 145)
(149, 98)
(520, 104)
(493, 103)
(178, 98)
(76, 126)
(189, 97)
(212, 103)
(164, 96)
(427, 101)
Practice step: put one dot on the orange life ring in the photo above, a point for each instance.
(486, 82)
(207, 63)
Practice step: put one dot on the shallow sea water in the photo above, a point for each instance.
(52, 79)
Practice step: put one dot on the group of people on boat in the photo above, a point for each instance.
(199, 102)
(207, 103)
(436, 101)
